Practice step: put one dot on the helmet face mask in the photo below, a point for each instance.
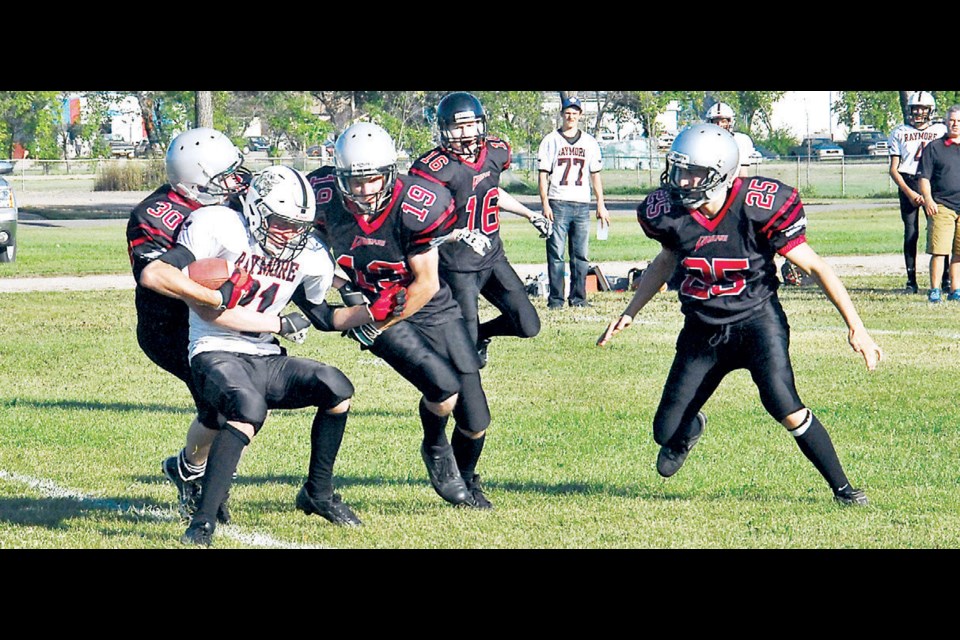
(462, 124)
(703, 162)
(363, 153)
(280, 208)
(204, 166)
(920, 106)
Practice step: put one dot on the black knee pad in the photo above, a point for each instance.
(472, 412)
(246, 406)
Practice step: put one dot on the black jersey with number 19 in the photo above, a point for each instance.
(374, 252)
(728, 259)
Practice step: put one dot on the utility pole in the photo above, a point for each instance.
(204, 109)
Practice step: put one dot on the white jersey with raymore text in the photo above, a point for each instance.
(908, 142)
(220, 232)
(569, 164)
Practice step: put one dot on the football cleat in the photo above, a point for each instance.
(445, 476)
(482, 351)
(911, 287)
(199, 533)
(476, 490)
(954, 295)
(333, 509)
(670, 460)
(850, 496)
(188, 491)
(934, 297)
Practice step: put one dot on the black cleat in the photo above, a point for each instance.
(188, 491)
(444, 475)
(482, 351)
(670, 460)
(850, 496)
(199, 533)
(333, 509)
(476, 490)
(911, 287)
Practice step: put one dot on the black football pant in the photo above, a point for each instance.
(439, 360)
(707, 353)
(910, 215)
(165, 342)
(500, 286)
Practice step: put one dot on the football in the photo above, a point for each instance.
(210, 272)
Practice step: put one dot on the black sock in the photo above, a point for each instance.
(224, 456)
(434, 427)
(467, 452)
(912, 276)
(815, 443)
(326, 434)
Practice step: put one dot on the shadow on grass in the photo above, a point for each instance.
(161, 408)
(53, 512)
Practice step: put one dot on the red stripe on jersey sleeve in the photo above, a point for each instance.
(423, 174)
(791, 201)
(154, 233)
(793, 243)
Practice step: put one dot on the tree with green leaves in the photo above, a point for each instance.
(32, 119)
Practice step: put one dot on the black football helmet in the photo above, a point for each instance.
(454, 111)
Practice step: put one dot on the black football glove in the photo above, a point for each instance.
(365, 334)
(294, 327)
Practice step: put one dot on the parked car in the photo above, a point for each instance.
(119, 148)
(818, 149)
(255, 143)
(8, 217)
(866, 143)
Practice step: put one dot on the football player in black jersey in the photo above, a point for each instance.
(723, 231)
(384, 230)
(469, 162)
(203, 167)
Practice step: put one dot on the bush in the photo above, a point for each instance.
(130, 175)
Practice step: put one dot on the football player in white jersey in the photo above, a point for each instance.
(237, 364)
(906, 147)
(721, 114)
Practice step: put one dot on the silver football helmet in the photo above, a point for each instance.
(719, 111)
(365, 150)
(204, 166)
(707, 149)
(920, 106)
(280, 207)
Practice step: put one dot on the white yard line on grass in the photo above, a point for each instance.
(50, 489)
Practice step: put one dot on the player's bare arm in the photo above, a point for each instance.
(170, 281)
(810, 262)
(652, 281)
(425, 268)
(597, 185)
(508, 203)
(543, 184)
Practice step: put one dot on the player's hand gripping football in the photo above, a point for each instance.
(615, 327)
(863, 344)
(294, 327)
(389, 304)
(542, 224)
(238, 290)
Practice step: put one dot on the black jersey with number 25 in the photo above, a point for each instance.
(728, 259)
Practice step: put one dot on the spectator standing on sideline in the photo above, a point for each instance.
(939, 174)
(723, 232)
(907, 142)
(566, 156)
(722, 115)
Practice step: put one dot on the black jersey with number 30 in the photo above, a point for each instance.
(728, 259)
(374, 252)
(476, 193)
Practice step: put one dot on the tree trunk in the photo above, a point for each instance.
(204, 109)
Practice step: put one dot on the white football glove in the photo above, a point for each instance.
(542, 224)
(475, 240)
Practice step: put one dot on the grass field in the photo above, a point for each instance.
(570, 458)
